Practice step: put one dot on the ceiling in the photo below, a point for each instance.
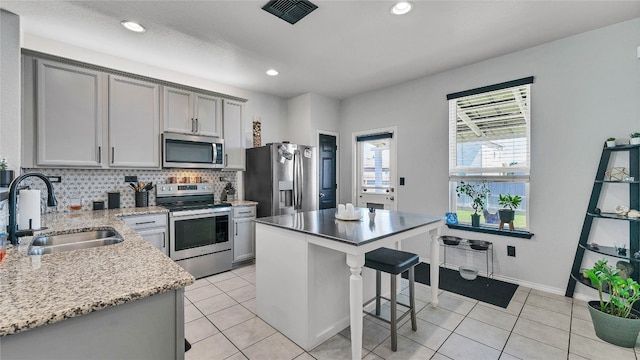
(341, 49)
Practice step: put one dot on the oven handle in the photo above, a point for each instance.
(196, 214)
(215, 153)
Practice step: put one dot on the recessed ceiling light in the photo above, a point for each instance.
(401, 7)
(272, 72)
(133, 26)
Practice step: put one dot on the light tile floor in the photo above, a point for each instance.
(220, 323)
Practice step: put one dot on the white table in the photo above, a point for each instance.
(301, 282)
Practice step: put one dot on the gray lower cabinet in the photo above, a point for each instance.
(70, 113)
(134, 123)
(192, 113)
(152, 228)
(233, 135)
(244, 233)
(148, 328)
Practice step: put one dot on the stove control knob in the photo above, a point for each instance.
(163, 188)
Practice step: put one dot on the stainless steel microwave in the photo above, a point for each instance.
(192, 151)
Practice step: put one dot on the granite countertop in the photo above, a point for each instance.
(38, 290)
(324, 224)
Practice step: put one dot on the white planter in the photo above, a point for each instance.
(634, 141)
(611, 143)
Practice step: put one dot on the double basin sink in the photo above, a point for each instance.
(61, 242)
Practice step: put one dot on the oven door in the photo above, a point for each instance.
(199, 232)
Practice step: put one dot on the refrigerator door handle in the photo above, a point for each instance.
(300, 178)
(296, 181)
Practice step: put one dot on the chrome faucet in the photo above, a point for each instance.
(12, 228)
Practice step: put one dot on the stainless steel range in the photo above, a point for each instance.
(200, 230)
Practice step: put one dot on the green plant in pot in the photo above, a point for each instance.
(6, 176)
(635, 138)
(478, 194)
(611, 142)
(509, 204)
(613, 319)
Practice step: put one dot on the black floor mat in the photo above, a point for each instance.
(495, 292)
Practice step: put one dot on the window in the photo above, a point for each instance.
(489, 141)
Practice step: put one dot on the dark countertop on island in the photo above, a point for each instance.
(324, 224)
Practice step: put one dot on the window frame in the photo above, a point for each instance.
(489, 174)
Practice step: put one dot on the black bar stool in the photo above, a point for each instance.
(393, 262)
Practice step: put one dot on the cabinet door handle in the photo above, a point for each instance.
(197, 125)
(244, 212)
(164, 243)
(99, 154)
(226, 159)
(192, 125)
(113, 154)
(236, 229)
(146, 222)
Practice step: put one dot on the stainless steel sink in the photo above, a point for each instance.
(55, 243)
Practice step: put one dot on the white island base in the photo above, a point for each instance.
(310, 287)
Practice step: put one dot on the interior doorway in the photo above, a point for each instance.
(327, 170)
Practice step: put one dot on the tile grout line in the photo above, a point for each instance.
(514, 325)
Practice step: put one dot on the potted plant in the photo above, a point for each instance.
(478, 195)
(509, 204)
(613, 320)
(611, 142)
(635, 138)
(6, 176)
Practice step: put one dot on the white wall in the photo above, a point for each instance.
(587, 88)
(299, 119)
(310, 113)
(10, 88)
(325, 115)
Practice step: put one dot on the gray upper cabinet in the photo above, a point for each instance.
(192, 113)
(70, 115)
(233, 135)
(134, 123)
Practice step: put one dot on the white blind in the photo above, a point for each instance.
(489, 135)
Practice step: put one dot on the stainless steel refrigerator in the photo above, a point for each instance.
(282, 178)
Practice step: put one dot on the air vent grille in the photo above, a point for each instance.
(290, 11)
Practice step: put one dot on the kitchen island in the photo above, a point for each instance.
(117, 301)
(309, 263)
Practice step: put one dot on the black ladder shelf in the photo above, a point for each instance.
(634, 224)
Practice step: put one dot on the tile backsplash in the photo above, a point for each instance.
(94, 184)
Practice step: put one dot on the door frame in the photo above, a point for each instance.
(394, 160)
(331, 133)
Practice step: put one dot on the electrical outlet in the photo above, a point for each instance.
(511, 250)
(402, 181)
(55, 179)
(132, 178)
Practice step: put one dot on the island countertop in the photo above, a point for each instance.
(324, 224)
(37, 290)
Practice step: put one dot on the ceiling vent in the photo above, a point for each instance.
(290, 11)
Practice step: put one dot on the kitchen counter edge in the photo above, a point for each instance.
(45, 289)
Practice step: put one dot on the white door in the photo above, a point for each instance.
(375, 170)
(70, 115)
(134, 123)
(233, 135)
(178, 111)
(208, 115)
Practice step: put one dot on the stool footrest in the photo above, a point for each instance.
(380, 317)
